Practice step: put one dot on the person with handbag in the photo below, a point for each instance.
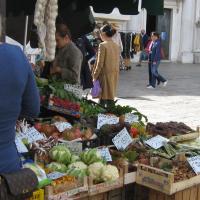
(19, 98)
(106, 69)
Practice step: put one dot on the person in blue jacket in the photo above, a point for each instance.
(18, 97)
(154, 59)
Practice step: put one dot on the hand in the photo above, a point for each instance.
(55, 70)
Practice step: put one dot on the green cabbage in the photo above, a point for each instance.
(91, 156)
(58, 167)
(60, 154)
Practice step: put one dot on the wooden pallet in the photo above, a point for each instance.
(163, 181)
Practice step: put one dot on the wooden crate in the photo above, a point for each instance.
(162, 181)
(192, 193)
(77, 192)
(129, 174)
(117, 194)
(95, 189)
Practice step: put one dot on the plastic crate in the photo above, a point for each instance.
(38, 195)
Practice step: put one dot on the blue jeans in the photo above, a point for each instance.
(155, 75)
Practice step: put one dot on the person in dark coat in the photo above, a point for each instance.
(154, 59)
(88, 52)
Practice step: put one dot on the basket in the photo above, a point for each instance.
(38, 195)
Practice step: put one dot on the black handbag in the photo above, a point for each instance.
(18, 185)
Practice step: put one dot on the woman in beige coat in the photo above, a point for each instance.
(106, 68)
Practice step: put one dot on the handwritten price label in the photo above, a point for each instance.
(106, 119)
(75, 89)
(122, 140)
(21, 148)
(33, 135)
(62, 126)
(105, 154)
(195, 163)
(74, 147)
(157, 142)
(131, 118)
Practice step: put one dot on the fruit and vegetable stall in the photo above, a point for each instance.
(81, 150)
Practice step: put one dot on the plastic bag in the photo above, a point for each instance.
(96, 90)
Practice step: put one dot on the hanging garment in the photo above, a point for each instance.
(137, 43)
(127, 47)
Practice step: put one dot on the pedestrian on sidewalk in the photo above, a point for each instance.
(106, 69)
(154, 60)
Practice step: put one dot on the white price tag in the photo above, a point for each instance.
(62, 126)
(21, 148)
(74, 147)
(195, 163)
(105, 154)
(33, 135)
(106, 119)
(55, 175)
(131, 118)
(122, 140)
(157, 142)
(75, 89)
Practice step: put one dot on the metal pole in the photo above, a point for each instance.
(2, 20)
(25, 33)
(140, 6)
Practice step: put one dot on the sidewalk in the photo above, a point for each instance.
(179, 101)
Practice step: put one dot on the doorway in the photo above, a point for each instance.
(162, 25)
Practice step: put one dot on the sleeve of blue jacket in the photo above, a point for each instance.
(157, 55)
(30, 100)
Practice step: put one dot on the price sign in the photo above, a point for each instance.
(122, 140)
(157, 142)
(131, 118)
(21, 148)
(105, 154)
(75, 89)
(33, 135)
(74, 147)
(195, 163)
(106, 119)
(62, 126)
(55, 175)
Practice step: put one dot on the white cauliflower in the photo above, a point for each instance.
(95, 170)
(109, 173)
(78, 165)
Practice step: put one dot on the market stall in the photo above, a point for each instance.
(106, 153)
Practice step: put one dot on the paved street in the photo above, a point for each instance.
(179, 101)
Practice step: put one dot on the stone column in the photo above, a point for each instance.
(2, 20)
(187, 31)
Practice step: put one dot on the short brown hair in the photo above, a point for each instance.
(62, 30)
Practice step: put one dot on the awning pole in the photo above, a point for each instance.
(25, 33)
(2, 20)
(140, 6)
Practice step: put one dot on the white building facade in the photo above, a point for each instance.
(180, 23)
